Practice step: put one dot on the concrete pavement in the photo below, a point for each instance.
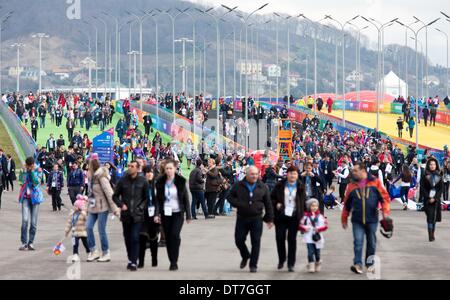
(208, 250)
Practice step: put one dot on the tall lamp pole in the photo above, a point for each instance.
(40, 36)
(416, 34)
(18, 45)
(106, 50)
(96, 56)
(446, 37)
(246, 60)
(312, 23)
(380, 81)
(342, 25)
(3, 20)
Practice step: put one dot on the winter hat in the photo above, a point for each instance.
(93, 156)
(81, 202)
(310, 202)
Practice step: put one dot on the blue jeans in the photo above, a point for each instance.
(30, 214)
(42, 125)
(369, 230)
(313, 253)
(198, 196)
(404, 193)
(102, 220)
(131, 236)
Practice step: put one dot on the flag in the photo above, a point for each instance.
(59, 249)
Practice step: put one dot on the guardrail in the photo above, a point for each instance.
(24, 143)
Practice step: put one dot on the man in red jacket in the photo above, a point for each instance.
(363, 196)
(330, 104)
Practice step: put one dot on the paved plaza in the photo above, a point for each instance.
(208, 251)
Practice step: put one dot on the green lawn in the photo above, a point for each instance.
(44, 133)
(6, 143)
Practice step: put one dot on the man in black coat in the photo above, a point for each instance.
(42, 113)
(131, 196)
(34, 128)
(251, 197)
(433, 114)
(197, 188)
(148, 122)
(10, 176)
(425, 114)
(3, 167)
(319, 104)
(327, 167)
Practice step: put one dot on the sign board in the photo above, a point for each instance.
(103, 145)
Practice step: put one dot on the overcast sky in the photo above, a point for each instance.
(382, 10)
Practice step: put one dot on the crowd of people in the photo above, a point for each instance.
(145, 185)
(427, 110)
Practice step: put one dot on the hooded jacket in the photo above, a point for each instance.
(102, 191)
(363, 203)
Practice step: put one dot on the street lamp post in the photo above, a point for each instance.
(426, 58)
(119, 71)
(416, 34)
(140, 21)
(278, 64)
(406, 58)
(3, 20)
(96, 56)
(422, 72)
(446, 36)
(245, 22)
(173, 59)
(342, 25)
(234, 49)
(134, 53)
(447, 18)
(18, 45)
(193, 19)
(380, 81)
(183, 41)
(216, 20)
(381, 55)
(152, 17)
(312, 23)
(117, 41)
(288, 65)
(106, 50)
(358, 61)
(40, 36)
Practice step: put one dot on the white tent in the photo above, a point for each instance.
(394, 85)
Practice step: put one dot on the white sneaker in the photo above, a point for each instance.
(93, 256)
(106, 257)
(310, 268)
(318, 266)
(75, 258)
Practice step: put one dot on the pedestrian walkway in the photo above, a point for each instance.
(208, 251)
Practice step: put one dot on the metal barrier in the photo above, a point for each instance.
(19, 133)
